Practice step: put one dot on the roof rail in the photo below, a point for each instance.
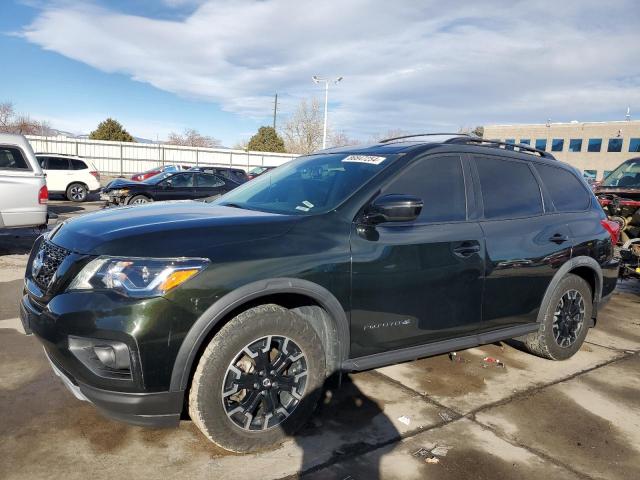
(498, 143)
(387, 140)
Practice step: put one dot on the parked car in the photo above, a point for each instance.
(138, 177)
(73, 177)
(257, 171)
(348, 259)
(23, 188)
(238, 175)
(619, 195)
(167, 186)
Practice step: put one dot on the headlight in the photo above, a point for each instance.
(137, 277)
(122, 192)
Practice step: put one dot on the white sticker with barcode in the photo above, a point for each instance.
(370, 159)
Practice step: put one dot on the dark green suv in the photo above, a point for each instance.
(236, 312)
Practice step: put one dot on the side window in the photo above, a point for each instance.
(58, 163)
(567, 192)
(184, 180)
(439, 182)
(78, 164)
(42, 161)
(509, 188)
(12, 159)
(208, 181)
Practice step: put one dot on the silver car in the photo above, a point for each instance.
(23, 189)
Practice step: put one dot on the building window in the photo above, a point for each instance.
(557, 144)
(595, 145)
(511, 141)
(634, 145)
(590, 174)
(575, 145)
(525, 141)
(615, 145)
(541, 143)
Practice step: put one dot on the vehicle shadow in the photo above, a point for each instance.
(18, 242)
(346, 423)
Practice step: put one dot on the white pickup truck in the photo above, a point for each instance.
(23, 189)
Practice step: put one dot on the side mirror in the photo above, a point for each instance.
(393, 208)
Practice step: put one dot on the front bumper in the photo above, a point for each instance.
(161, 409)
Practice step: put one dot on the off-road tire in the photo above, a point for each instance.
(139, 199)
(205, 401)
(77, 192)
(542, 342)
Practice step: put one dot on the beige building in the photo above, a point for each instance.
(596, 148)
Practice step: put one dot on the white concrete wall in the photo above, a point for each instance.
(121, 158)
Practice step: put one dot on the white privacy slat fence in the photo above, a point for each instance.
(121, 158)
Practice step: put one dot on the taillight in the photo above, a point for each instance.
(96, 174)
(613, 228)
(43, 195)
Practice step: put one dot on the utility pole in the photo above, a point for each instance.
(275, 111)
(326, 81)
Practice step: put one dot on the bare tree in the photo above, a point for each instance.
(302, 132)
(192, 138)
(10, 122)
(391, 133)
(242, 144)
(6, 116)
(341, 139)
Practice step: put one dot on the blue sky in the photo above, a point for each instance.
(166, 65)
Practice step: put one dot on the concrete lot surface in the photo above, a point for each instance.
(432, 418)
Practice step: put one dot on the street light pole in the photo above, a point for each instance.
(318, 79)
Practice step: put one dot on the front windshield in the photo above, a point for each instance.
(312, 184)
(626, 175)
(158, 178)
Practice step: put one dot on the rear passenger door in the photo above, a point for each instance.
(208, 185)
(176, 187)
(421, 281)
(525, 246)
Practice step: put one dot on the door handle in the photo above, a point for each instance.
(466, 249)
(559, 238)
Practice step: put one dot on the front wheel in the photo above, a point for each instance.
(258, 380)
(566, 321)
(77, 192)
(139, 199)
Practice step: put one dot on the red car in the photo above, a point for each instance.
(257, 171)
(138, 177)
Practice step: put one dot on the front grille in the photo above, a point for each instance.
(50, 256)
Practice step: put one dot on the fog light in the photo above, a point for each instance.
(114, 356)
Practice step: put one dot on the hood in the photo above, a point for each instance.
(120, 182)
(167, 229)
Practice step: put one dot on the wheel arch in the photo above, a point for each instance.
(322, 310)
(585, 267)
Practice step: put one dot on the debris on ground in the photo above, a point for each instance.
(445, 416)
(455, 357)
(432, 453)
(492, 361)
(404, 419)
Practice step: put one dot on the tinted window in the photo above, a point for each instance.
(57, 163)
(42, 161)
(557, 144)
(77, 164)
(615, 145)
(590, 174)
(12, 159)
(595, 145)
(180, 180)
(634, 145)
(510, 141)
(204, 180)
(439, 182)
(541, 144)
(567, 192)
(575, 145)
(525, 141)
(509, 189)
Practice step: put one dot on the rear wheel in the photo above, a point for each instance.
(566, 321)
(258, 380)
(139, 199)
(77, 192)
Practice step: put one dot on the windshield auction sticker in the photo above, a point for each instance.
(370, 159)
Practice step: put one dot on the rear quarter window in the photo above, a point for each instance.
(11, 158)
(78, 164)
(509, 188)
(567, 192)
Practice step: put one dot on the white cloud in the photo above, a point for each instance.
(410, 65)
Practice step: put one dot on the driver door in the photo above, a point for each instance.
(176, 187)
